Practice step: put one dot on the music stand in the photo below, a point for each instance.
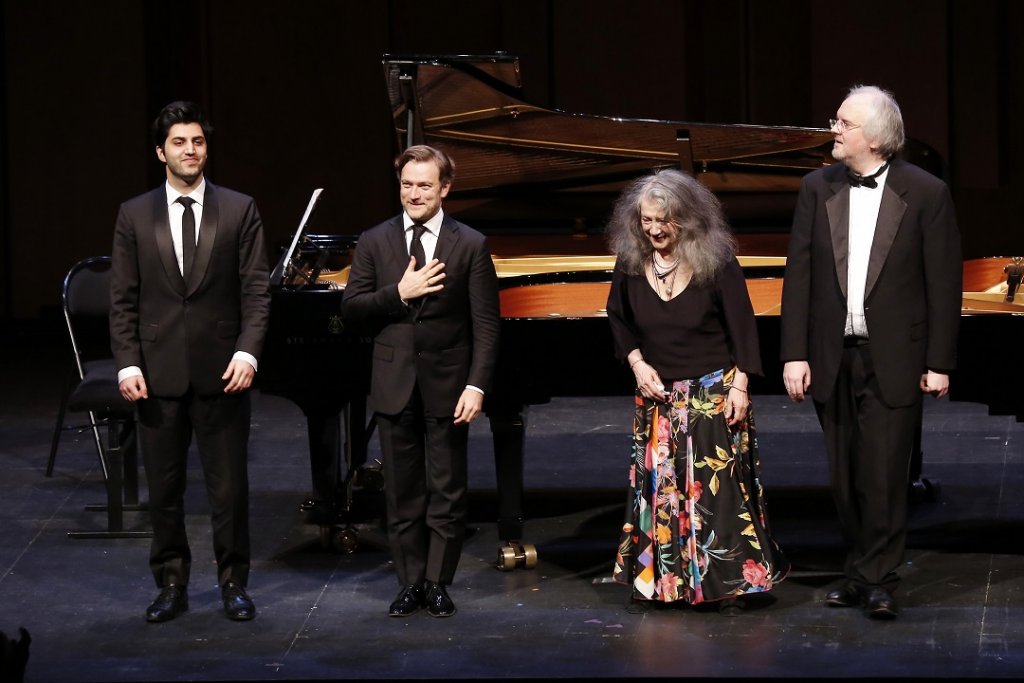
(288, 271)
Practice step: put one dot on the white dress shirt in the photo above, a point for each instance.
(175, 211)
(864, 204)
(429, 237)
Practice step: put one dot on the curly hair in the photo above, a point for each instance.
(705, 242)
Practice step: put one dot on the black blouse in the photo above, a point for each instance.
(703, 329)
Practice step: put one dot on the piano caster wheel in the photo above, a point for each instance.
(515, 554)
(924, 491)
(343, 540)
(371, 478)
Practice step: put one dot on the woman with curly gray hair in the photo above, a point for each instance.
(696, 526)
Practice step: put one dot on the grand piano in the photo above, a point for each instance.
(313, 359)
(541, 183)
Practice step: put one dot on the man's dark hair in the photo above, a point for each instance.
(178, 112)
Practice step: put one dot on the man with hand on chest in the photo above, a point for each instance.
(426, 285)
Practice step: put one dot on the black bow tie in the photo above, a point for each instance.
(865, 180)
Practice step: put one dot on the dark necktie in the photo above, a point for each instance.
(866, 180)
(416, 247)
(188, 236)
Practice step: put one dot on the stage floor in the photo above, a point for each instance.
(322, 614)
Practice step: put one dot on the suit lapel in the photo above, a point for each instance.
(207, 238)
(838, 208)
(446, 240)
(164, 241)
(890, 215)
(397, 246)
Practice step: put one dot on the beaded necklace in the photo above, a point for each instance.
(661, 274)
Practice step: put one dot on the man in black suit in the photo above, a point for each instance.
(427, 286)
(189, 310)
(870, 314)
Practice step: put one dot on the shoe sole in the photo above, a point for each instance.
(241, 617)
(162, 619)
(855, 601)
(840, 603)
(882, 615)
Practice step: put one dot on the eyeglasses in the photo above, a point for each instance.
(841, 126)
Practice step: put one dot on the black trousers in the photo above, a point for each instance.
(425, 491)
(869, 448)
(221, 427)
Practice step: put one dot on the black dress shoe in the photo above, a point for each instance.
(438, 602)
(880, 604)
(237, 605)
(172, 601)
(846, 595)
(409, 601)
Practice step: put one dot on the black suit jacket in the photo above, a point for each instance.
(185, 333)
(914, 282)
(444, 341)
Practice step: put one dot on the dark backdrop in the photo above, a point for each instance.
(296, 94)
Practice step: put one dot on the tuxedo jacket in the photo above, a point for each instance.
(185, 333)
(914, 281)
(443, 341)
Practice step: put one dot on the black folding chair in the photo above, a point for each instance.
(92, 389)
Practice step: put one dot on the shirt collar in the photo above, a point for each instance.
(197, 194)
(879, 179)
(875, 170)
(433, 225)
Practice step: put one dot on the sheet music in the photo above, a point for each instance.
(281, 271)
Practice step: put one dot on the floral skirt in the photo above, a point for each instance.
(696, 526)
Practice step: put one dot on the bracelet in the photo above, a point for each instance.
(635, 363)
(738, 389)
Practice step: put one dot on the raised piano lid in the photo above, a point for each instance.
(523, 167)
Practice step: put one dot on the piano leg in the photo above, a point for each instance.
(324, 460)
(922, 489)
(358, 433)
(508, 431)
(335, 468)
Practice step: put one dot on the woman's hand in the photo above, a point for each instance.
(737, 403)
(649, 382)
(737, 400)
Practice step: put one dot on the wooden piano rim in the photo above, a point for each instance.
(571, 300)
(518, 266)
(589, 299)
(984, 287)
(985, 274)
